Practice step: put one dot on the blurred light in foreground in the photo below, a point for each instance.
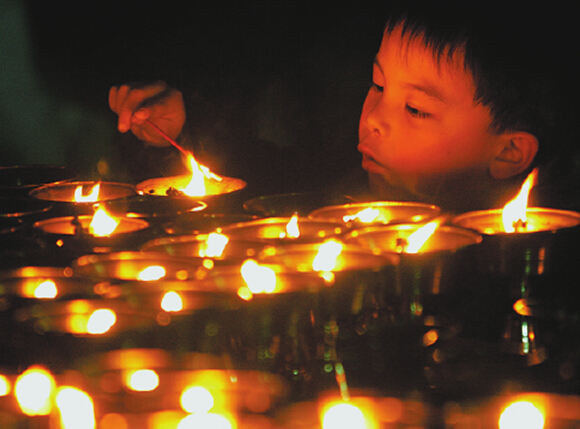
(196, 399)
(171, 302)
(521, 415)
(151, 273)
(4, 385)
(142, 380)
(76, 409)
(46, 290)
(33, 390)
(205, 421)
(101, 321)
(343, 416)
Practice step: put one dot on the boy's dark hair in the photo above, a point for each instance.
(511, 59)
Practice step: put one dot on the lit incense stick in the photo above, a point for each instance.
(166, 137)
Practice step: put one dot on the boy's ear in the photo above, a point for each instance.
(515, 154)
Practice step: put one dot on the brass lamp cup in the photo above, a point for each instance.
(273, 230)
(194, 246)
(436, 268)
(62, 195)
(69, 237)
(541, 248)
(535, 264)
(234, 391)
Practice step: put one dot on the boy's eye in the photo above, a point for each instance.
(416, 113)
(378, 87)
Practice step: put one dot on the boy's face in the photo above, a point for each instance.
(420, 126)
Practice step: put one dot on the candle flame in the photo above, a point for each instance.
(367, 215)
(260, 279)
(417, 239)
(292, 230)
(199, 173)
(92, 197)
(514, 212)
(151, 273)
(102, 223)
(325, 259)
(215, 244)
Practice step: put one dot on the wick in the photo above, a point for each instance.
(166, 137)
(401, 245)
(520, 225)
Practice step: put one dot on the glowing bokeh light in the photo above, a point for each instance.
(196, 399)
(101, 321)
(343, 416)
(151, 273)
(4, 385)
(33, 390)
(46, 290)
(171, 302)
(76, 409)
(521, 414)
(142, 380)
(205, 421)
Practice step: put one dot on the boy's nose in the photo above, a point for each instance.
(378, 119)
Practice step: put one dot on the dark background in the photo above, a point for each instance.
(274, 89)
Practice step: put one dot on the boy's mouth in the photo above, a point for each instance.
(371, 165)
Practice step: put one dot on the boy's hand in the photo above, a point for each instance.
(156, 102)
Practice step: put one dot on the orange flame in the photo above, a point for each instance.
(417, 239)
(102, 223)
(328, 253)
(292, 229)
(92, 197)
(367, 215)
(259, 279)
(514, 212)
(199, 174)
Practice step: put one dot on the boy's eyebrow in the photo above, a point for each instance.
(428, 89)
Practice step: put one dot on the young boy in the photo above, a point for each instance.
(458, 112)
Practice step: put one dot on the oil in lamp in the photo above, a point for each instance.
(214, 245)
(377, 212)
(285, 230)
(202, 183)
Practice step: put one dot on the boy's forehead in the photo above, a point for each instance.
(414, 48)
